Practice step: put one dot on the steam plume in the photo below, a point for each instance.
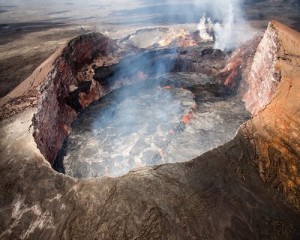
(230, 28)
(224, 33)
(205, 28)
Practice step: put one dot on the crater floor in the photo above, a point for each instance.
(150, 124)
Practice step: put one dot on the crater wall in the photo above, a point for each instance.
(276, 127)
(66, 90)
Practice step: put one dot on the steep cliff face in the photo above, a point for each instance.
(263, 76)
(275, 130)
(66, 90)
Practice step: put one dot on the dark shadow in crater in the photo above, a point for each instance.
(58, 164)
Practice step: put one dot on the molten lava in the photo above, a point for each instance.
(187, 117)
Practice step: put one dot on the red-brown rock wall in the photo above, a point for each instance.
(54, 116)
(275, 129)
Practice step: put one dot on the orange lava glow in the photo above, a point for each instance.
(187, 118)
(167, 87)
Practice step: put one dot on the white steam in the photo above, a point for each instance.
(230, 29)
(205, 28)
(225, 38)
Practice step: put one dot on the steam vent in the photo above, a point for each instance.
(158, 134)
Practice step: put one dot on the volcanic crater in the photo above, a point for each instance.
(154, 105)
(169, 102)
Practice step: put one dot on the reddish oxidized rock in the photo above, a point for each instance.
(275, 129)
(55, 113)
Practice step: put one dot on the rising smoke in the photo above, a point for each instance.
(224, 18)
(205, 28)
(230, 27)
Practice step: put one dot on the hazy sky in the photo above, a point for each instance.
(109, 10)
